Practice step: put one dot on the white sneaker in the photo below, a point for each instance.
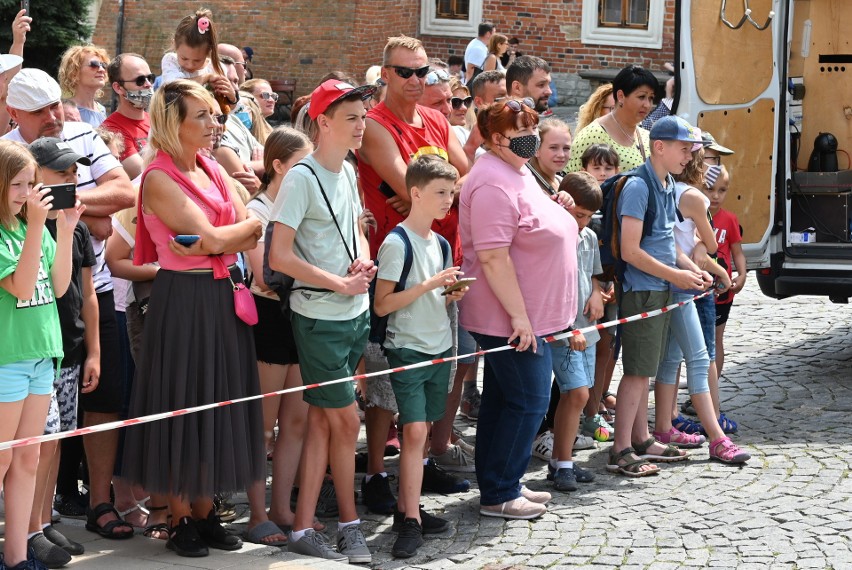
(543, 446)
(540, 497)
(581, 442)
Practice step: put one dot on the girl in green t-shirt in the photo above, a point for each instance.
(34, 270)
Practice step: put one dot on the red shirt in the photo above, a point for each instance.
(133, 131)
(727, 229)
(412, 142)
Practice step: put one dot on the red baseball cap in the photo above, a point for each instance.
(334, 90)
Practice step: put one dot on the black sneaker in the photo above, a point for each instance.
(185, 540)
(73, 506)
(46, 552)
(377, 494)
(430, 524)
(409, 540)
(31, 563)
(436, 480)
(214, 534)
(62, 541)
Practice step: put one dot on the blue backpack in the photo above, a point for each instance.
(379, 325)
(609, 234)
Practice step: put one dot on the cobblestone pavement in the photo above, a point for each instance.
(786, 381)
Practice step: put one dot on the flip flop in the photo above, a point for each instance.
(265, 530)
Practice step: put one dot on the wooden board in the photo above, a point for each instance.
(736, 65)
(827, 106)
(748, 132)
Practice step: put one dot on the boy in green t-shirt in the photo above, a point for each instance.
(418, 330)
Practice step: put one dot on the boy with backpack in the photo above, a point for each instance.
(642, 232)
(319, 243)
(415, 265)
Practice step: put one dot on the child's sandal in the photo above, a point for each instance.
(670, 454)
(627, 463)
(726, 451)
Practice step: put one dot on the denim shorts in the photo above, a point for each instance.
(466, 346)
(706, 307)
(573, 368)
(20, 379)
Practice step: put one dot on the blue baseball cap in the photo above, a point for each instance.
(673, 128)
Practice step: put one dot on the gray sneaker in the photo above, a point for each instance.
(352, 544)
(314, 544)
(455, 459)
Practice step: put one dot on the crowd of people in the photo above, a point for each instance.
(181, 251)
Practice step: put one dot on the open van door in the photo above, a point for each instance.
(729, 83)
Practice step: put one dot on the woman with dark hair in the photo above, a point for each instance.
(521, 245)
(633, 89)
(196, 348)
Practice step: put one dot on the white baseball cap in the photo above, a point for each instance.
(8, 61)
(32, 89)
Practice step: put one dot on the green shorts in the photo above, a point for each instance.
(642, 341)
(421, 394)
(329, 350)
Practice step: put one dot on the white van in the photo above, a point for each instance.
(767, 83)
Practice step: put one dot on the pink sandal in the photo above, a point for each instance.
(724, 450)
(680, 439)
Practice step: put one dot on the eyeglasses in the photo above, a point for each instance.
(608, 108)
(457, 102)
(407, 72)
(517, 106)
(141, 80)
(240, 63)
(221, 119)
(96, 63)
(437, 76)
(266, 95)
(713, 160)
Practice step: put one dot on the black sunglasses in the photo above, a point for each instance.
(140, 81)
(221, 119)
(406, 72)
(96, 64)
(457, 102)
(517, 106)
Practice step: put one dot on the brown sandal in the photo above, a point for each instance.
(627, 463)
(671, 454)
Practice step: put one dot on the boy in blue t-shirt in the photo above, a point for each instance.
(418, 330)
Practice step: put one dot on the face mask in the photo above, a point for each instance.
(524, 146)
(140, 99)
(244, 117)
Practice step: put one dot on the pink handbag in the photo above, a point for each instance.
(243, 299)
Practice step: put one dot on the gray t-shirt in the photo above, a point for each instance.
(300, 205)
(588, 264)
(423, 325)
(660, 245)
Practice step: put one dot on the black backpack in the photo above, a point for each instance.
(608, 236)
(279, 282)
(379, 325)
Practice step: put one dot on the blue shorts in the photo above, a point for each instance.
(706, 307)
(466, 346)
(20, 379)
(573, 368)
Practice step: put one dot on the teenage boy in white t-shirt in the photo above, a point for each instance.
(418, 330)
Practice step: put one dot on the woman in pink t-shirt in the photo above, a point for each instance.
(521, 245)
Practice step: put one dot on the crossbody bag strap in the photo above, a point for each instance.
(334, 218)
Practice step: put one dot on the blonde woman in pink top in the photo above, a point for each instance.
(521, 246)
(195, 349)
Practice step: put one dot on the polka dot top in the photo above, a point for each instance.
(594, 133)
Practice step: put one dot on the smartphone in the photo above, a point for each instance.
(460, 284)
(187, 240)
(64, 196)
(25, 5)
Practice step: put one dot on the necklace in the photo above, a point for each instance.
(631, 137)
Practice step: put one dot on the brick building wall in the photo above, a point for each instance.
(305, 39)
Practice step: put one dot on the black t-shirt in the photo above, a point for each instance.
(70, 305)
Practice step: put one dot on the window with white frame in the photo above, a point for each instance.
(628, 23)
(455, 18)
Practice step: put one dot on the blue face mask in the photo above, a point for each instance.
(245, 118)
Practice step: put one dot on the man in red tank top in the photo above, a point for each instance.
(398, 131)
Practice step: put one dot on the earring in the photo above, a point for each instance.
(621, 103)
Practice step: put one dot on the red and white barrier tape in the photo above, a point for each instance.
(164, 415)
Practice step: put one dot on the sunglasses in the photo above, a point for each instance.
(407, 72)
(266, 95)
(517, 106)
(141, 80)
(221, 119)
(437, 76)
(95, 64)
(457, 102)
